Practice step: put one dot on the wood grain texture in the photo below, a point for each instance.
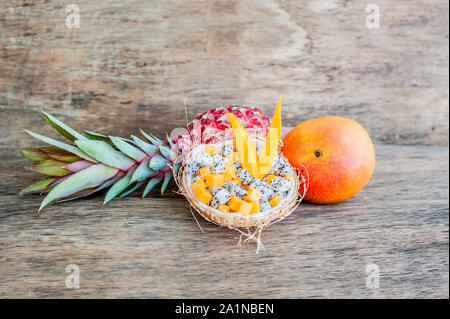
(153, 247)
(135, 63)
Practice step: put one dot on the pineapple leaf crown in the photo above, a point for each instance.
(93, 161)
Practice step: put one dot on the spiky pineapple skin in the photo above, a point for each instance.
(140, 161)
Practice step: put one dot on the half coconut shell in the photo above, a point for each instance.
(236, 220)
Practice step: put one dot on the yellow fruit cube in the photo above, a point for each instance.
(211, 150)
(199, 183)
(230, 171)
(214, 180)
(270, 178)
(203, 195)
(204, 171)
(256, 207)
(239, 206)
(233, 203)
(245, 208)
(227, 176)
(289, 177)
(253, 195)
(231, 168)
(274, 201)
(224, 208)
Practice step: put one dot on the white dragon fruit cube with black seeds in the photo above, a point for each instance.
(215, 202)
(237, 165)
(228, 185)
(205, 159)
(227, 150)
(245, 176)
(222, 196)
(280, 184)
(276, 162)
(282, 169)
(193, 168)
(257, 184)
(282, 194)
(269, 188)
(215, 190)
(238, 190)
(265, 205)
(267, 192)
(218, 168)
(219, 159)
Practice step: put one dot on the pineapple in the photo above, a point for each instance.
(93, 161)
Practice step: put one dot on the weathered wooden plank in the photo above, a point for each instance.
(153, 247)
(134, 64)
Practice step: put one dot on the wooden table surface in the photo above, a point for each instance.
(154, 248)
(136, 63)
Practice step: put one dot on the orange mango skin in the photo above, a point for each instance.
(347, 161)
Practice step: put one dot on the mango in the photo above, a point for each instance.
(256, 207)
(227, 176)
(274, 201)
(245, 146)
(199, 183)
(239, 206)
(269, 150)
(214, 180)
(338, 154)
(253, 195)
(224, 208)
(204, 171)
(203, 195)
(231, 168)
(245, 208)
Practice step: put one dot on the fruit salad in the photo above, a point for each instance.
(217, 179)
